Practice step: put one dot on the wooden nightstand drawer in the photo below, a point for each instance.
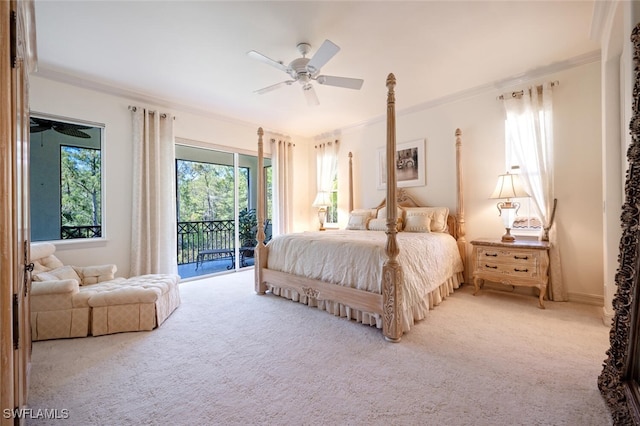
(523, 263)
(523, 271)
(524, 258)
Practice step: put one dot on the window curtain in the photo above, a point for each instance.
(529, 126)
(326, 165)
(282, 160)
(153, 225)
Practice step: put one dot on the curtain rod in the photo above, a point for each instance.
(327, 143)
(521, 92)
(135, 108)
(281, 140)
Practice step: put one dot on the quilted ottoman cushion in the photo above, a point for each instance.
(133, 304)
(124, 295)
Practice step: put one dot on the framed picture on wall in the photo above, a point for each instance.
(410, 163)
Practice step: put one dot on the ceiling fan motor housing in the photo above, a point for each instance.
(298, 68)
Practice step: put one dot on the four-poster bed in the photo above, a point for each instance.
(358, 273)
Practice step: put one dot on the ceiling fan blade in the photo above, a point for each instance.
(38, 129)
(348, 83)
(71, 131)
(327, 51)
(273, 87)
(310, 94)
(259, 56)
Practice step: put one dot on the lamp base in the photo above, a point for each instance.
(322, 217)
(507, 237)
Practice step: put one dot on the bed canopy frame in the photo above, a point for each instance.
(388, 303)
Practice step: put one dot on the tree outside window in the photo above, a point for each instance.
(81, 187)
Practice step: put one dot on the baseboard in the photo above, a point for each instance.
(587, 299)
(607, 318)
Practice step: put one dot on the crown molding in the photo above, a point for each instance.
(489, 88)
(132, 95)
(499, 85)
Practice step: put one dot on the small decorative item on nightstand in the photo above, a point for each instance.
(521, 263)
(508, 186)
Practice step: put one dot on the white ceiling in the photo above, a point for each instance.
(193, 54)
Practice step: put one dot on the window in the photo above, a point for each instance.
(66, 179)
(332, 210)
(526, 221)
(327, 180)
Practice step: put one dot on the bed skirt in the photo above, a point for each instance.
(411, 314)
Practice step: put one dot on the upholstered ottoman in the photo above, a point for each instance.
(132, 304)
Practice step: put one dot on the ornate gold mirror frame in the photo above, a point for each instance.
(620, 377)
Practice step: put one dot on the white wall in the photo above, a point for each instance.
(480, 117)
(577, 132)
(51, 97)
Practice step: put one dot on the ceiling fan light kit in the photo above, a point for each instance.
(305, 70)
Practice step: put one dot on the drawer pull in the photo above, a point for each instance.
(489, 266)
(520, 270)
(520, 257)
(491, 254)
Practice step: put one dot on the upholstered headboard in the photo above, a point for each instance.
(404, 199)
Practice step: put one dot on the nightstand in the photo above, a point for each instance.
(521, 263)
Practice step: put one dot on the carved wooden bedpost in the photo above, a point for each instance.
(350, 182)
(391, 271)
(260, 250)
(460, 231)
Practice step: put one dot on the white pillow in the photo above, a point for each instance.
(417, 223)
(382, 214)
(63, 273)
(380, 224)
(364, 212)
(358, 222)
(358, 218)
(438, 216)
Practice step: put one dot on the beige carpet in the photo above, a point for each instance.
(230, 357)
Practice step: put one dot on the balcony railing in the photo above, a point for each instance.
(193, 237)
(73, 232)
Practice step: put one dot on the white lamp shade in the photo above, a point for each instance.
(323, 199)
(509, 186)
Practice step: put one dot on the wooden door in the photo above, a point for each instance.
(17, 59)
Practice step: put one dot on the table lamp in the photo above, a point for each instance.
(321, 201)
(508, 186)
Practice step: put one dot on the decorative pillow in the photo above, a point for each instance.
(421, 223)
(365, 212)
(380, 224)
(359, 218)
(382, 214)
(63, 273)
(357, 222)
(438, 216)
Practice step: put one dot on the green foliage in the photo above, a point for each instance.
(205, 191)
(80, 185)
(248, 227)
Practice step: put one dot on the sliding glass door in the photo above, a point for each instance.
(216, 200)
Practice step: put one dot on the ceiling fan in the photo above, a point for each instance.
(38, 125)
(305, 70)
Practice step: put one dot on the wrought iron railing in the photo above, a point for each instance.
(198, 236)
(73, 232)
(194, 237)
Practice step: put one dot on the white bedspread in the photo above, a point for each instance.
(355, 259)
